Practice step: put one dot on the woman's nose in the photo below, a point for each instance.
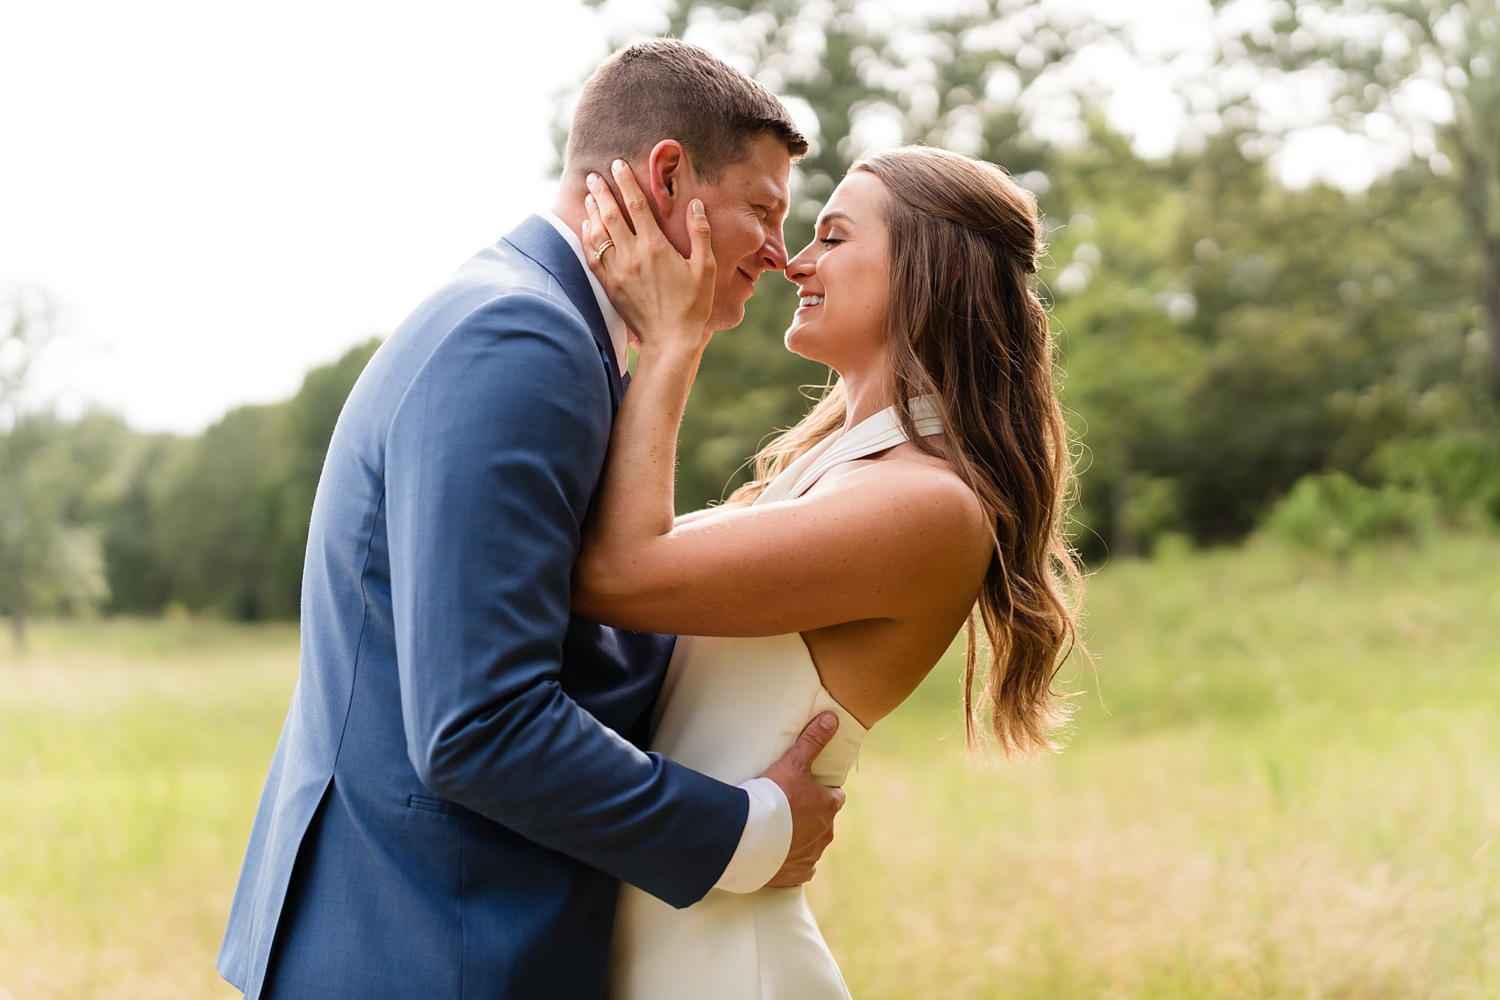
(800, 267)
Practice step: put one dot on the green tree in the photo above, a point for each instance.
(1127, 352)
(50, 558)
(1224, 336)
(305, 428)
(1221, 336)
(1375, 56)
(142, 580)
(960, 81)
(226, 529)
(216, 516)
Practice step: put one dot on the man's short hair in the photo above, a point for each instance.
(667, 89)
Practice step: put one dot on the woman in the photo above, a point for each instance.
(927, 485)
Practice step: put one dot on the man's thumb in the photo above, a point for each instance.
(814, 738)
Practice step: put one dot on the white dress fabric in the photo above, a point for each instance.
(730, 707)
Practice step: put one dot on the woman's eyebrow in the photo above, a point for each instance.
(827, 217)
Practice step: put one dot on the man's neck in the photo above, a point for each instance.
(569, 205)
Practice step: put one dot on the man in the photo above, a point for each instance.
(458, 785)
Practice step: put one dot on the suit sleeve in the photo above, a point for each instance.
(491, 459)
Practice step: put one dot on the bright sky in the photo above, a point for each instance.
(223, 196)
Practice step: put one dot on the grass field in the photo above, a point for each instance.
(1295, 792)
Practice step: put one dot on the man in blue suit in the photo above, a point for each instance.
(459, 783)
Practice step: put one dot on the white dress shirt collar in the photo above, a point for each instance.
(613, 321)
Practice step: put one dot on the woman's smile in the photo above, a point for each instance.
(849, 259)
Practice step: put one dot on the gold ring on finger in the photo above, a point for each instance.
(599, 250)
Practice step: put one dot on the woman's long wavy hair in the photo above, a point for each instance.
(966, 327)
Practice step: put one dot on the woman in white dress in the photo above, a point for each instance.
(925, 490)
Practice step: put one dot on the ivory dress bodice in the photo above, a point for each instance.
(730, 707)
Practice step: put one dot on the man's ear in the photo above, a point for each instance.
(667, 168)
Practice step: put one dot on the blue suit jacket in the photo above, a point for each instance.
(451, 802)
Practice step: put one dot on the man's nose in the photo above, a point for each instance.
(773, 251)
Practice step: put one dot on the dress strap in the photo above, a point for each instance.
(868, 437)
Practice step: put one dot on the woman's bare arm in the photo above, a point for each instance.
(698, 515)
(883, 541)
(879, 542)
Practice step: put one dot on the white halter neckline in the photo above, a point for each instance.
(869, 436)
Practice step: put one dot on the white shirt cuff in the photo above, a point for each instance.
(765, 842)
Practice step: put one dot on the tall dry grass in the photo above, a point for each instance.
(131, 757)
(1295, 793)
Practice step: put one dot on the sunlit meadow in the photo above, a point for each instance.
(1291, 789)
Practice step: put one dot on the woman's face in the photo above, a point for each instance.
(843, 276)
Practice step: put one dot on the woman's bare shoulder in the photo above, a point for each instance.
(697, 515)
(916, 488)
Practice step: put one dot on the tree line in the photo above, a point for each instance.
(138, 523)
(1233, 354)
(1222, 338)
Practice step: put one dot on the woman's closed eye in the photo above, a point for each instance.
(829, 241)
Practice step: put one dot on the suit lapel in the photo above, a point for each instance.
(538, 240)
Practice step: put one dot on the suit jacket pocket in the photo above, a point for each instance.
(432, 803)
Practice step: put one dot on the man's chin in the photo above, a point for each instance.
(726, 319)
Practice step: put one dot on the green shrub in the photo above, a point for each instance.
(1460, 470)
(1333, 514)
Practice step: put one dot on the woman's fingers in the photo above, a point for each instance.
(606, 228)
(595, 221)
(635, 201)
(608, 210)
(660, 294)
(700, 239)
(594, 235)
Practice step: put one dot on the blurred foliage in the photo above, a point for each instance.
(1230, 336)
(1378, 58)
(1220, 335)
(1333, 514)
(1232, 353)
(218, 523)
(51, 498)
(50, 481)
